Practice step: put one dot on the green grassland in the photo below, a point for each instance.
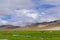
(29, 35)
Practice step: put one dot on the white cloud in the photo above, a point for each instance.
(24, 16)
(3, 22)
(29, 13)
(23, 13)
(42, 13)
(32, 15)
(8, 6)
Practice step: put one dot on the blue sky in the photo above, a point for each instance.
(23, 12)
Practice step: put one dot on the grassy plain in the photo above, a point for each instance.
(29, 35)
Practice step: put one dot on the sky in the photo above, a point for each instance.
(24, 12)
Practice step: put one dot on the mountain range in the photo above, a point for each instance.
(38, 26)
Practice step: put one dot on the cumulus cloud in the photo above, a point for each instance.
(3, 22)
(23, 12)
(25, 16)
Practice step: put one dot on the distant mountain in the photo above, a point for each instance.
(9, 26)
(43, 25)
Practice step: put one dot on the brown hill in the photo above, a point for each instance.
(9, 26)
(35, 26)
(45, 25)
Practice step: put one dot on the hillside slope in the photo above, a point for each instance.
(53, 25)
